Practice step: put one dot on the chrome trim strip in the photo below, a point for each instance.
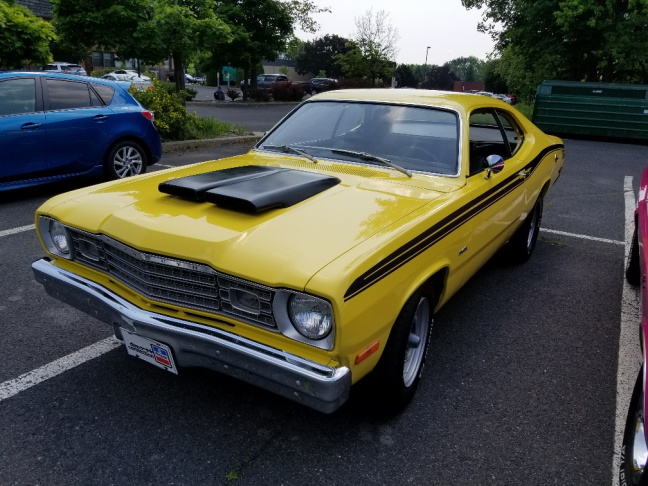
(320, 387)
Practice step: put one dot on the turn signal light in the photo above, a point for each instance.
(364, 354)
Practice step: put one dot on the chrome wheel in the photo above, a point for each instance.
(639, 449)
(634, 452)
(128, 161)
(415, 351)
(533, 227)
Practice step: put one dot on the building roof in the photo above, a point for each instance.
(40, 8)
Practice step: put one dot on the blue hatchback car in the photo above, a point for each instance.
(55, 126)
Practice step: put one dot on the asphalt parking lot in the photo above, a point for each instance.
(520, 386)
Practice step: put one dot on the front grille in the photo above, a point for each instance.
(179, 282)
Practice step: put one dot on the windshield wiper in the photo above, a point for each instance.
(289, 149)
(373, 158)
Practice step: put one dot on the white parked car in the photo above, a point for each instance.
(64, 68)
(128, 75)
(136, 81)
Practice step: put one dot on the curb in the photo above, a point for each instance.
(168, 147)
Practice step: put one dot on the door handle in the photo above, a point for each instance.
(31, 126)
(101, 117)
(524, 174)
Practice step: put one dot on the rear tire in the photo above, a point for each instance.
(125, 159)
(633, 267)
(633, 451)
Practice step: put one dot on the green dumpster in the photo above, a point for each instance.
(592, 109)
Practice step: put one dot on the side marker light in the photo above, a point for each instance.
(364, 354)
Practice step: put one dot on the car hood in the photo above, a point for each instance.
(278, 247)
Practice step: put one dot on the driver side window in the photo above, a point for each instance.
(491, 133)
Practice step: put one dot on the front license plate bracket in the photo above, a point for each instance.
(153, 352)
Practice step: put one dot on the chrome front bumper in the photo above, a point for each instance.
(323, 388)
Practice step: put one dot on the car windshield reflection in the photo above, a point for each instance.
(418, 139)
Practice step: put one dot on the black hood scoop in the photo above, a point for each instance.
(251, 188)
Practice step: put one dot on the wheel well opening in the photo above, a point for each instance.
(437, 283)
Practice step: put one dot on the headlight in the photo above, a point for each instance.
(312, 317)
(56, 237)
(59, 237)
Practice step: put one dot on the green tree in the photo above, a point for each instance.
(466, 68)
(405, 76)
(439, 77)
(495, 82)
(294, 48)
(582, 40)
(261, 30)
(149, 30)
(374, 47)
(321, 54)
(24, 38)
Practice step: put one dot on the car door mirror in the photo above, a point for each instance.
(495, 164)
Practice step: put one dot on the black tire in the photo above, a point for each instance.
(396, 376)
(523, 242)
(633, 268)
(124, 159)
(629, 474)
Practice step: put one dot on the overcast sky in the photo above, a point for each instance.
(445, 25)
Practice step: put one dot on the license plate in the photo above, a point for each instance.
(151, 351)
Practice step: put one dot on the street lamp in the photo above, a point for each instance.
(425, 67)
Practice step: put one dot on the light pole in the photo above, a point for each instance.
(425, 67)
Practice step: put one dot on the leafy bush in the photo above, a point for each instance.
(233, 93)
(188, 93)
(526, 109)
(287, 92)
(259, 94)
(171, 118)
(200, 127)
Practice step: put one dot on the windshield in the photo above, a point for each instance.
(419, 139)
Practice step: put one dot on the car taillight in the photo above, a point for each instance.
(148, 115)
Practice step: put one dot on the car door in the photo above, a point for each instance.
(78, 126)
(22, 129)
(500, 199)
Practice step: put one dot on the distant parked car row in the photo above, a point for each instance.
(510, 99)
(189, 79)
(314, 86)
(317, 85)
(64, 68)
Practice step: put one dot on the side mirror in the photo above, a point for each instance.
(495, 165)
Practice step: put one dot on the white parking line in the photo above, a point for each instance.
(34, 377)
(13, 231)
(585, 237)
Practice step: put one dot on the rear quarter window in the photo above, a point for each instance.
(106, 93)
(65, 95)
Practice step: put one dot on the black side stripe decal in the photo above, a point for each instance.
(439, 230)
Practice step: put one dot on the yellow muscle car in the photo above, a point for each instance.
(319, 257)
